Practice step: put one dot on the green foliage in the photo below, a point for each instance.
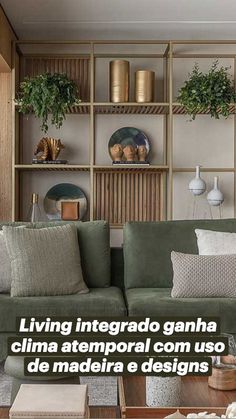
(48, 94)
(213, 91)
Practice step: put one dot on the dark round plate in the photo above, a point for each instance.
(129, 136)
(64, 192)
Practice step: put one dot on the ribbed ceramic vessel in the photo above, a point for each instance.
(144, 85)
(119, 81)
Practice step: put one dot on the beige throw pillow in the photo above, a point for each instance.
(203, 276)
(44, 261)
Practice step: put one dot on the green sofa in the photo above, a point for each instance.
(148, 270)
(104, 299)
(135, 280)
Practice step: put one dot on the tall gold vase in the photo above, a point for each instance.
(144, 85)
(119, 81)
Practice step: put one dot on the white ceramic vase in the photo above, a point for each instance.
(215, 197)
(197, 185)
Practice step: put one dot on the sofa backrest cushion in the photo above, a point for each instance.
(94, 245)
(148, 245)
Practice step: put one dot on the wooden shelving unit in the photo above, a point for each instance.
(179, 109)
(70, 167)
(116, 193)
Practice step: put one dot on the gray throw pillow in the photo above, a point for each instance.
(203, 276)
(44, 261)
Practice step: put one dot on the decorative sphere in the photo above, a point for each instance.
(215, 197)
(197, 186)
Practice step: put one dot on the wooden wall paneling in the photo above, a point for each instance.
(77, 69)
(17, 145)
(140, 175)
(144, 198)
(7, 122)
(170, 133)
(5, 146)
(235, 142)
(163, 208)
(126, 195)
(6, 37)
(162, 196)
(90, 78)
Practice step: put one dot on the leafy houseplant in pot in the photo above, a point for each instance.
(212, 91)
(49, 97)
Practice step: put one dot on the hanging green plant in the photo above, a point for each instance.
(212, 91)
(48, 94)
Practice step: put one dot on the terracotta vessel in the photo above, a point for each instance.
(130, 153)
(142, 153)
(223, 379)
(116, 152)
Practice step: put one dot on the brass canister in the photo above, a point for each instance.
(119, 81)
(144, 85)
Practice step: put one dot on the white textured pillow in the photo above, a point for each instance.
(215, 242)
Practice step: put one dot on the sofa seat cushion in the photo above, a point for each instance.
(158, 302)
(98, 302)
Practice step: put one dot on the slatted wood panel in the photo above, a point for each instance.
(5, 147)
(77, 69)
(121, 196)
(133, 109)
(180, 110)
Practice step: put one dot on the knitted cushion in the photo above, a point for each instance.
(203, 276)
(44, 261)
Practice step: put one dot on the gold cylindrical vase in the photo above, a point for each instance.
(144, 85)
(119, 81)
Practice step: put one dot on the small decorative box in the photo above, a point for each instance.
(52, 401)
(69, 210)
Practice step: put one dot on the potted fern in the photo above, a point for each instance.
(212, 91)
(49, 97)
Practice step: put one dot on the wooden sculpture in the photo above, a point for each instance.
(142, 153)
(49, 149)
(116, 152)
(129, 152)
